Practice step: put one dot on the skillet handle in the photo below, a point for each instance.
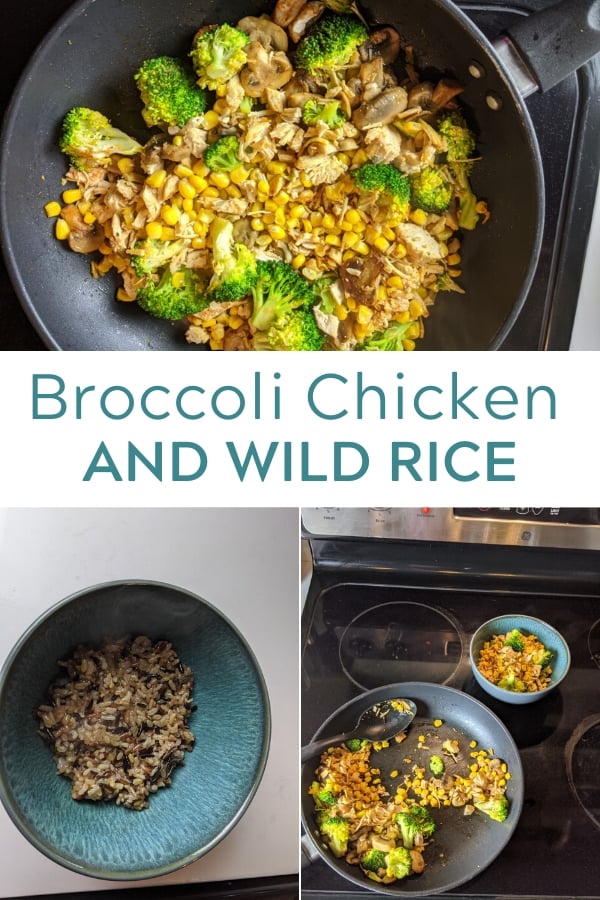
(556, 41)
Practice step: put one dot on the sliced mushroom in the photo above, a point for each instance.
(262, 29)
(421, 95)
(384, 43)
(265, 69)
(382, 109)
(83, 238)
(308, 15)
(286, 11)
(360, 276)
(445, 90)
(372, 78)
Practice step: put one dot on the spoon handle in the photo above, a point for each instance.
(310, 750)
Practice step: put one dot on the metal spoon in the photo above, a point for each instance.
(380, 722)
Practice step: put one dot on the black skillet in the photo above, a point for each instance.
(463, 845)
(88, 59)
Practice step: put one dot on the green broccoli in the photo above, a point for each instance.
(514, 639)
(295, 330)
(330, 43)
(497, 808)
(373, 860)
(175, 295)
(437, 766)
(510, 682)
(169, 92)
(218, 53)
(398, 863)
(461, 144)
(542, 658)
(278, 290)
(336, 832)
(416, 826)
(88, 139)
(222, 155)
(430, 190)
(355, 744)
(234, 264)
(387, 179)
(391, 339)
(321, 795)
(150, 255)
(328, 112)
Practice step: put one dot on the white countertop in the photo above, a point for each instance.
(244, 562)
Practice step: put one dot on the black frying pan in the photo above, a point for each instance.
(468, 843)
(89, 58)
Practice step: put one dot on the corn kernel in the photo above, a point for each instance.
(381, 244)
(211, 191)
(437, 723)
(364, 314)
(89, 218)
(363, 248)
(210, 119)
(198, 242)
(276, 232)
(341, 312)
(168, 233)
(399, 251)
(178, 141)
(359, 158)
(298, 261)
(473, 744)
(276, 168)
(257, 224)
(417, 308)
(239, 175)
(333, 240)
(219, 179)
(170, 214)
(397, 282)
(187, 189)
(408, 344)
(418, 217)
(62, 230)
(297, 211)
(52, 209)
(388, 233)
(157, 178)
(72, 195)
(263, 240)
(125, 165)
(177, 279)
(351, 303)
(220, 106)
(198, 182)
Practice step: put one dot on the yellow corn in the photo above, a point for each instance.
(125, 165)
(276, 232)
(211, 191)
(187, 189)
(257, 224)
(362, 248)
(210, 119)
(71, 195)
(170, 214)
(178, 279)
(239, 175)
(62, 230)
(437, 723)
(408, 344)
(380, 243)
(89, 218)
(219, 179)
(276, 168)
(298, 261)
(418, 217)
(52, 209)
(157, 178)
(396, 282)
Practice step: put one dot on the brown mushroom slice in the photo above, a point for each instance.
(286, 11)
(308, 15)
(265, 69)
(381, 109)
(384, 43)
(445, 90)
(421, 95)
(262, 29)
(360, 276)
(82, 238)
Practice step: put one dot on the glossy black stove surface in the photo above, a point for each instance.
(380, 622)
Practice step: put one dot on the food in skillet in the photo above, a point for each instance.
(117, 719)
(516, 662)
(303, 187)
(384, 821)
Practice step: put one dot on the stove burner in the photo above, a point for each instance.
(400, 641)
(594, 642)
(582, 761)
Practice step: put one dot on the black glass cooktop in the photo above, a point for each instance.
(567, 123)
(366, 626)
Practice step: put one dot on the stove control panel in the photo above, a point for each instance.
(569, 528)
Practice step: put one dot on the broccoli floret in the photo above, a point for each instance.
(398, 863)
(89, 139)
(175, 295)
(387, 179)
(295, 330)
(218, 53)
(496, 808)
(150, 255)
(321, 795)
(327, 111)
(278, 290)
(416, 826)
(437, 765)
(222, 155)
(514, 639)
(510, 682)
(543, 658)
(373, 860)
(330, 43)
(430, 190)
(461, 144)
(234, 264)
(336, 832)
(391, 339)
(169, 92)
(355, 744)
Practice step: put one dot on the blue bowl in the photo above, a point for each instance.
(209, 793)
(550, 638)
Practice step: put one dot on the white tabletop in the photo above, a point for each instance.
(245, 562)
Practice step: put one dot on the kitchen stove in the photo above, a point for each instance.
(395, 595)
(567, 123)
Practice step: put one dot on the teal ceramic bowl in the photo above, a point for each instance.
(208, 794)
(549, 636)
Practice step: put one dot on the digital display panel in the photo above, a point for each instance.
(559, 514)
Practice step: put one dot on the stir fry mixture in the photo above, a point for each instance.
(386, 829)
(516, 662)
(302, 187)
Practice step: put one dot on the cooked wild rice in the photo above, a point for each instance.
(117, 720)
